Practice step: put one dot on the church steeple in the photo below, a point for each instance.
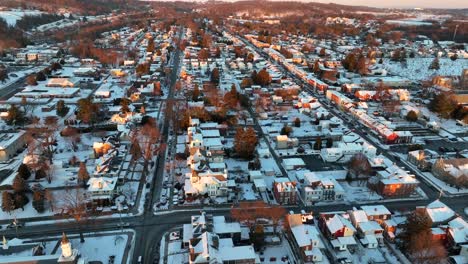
(67, 250)
(64, 238)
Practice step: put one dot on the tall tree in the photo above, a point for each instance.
(8, 204)
(195, 93)
(215, 76)
(318, 144)
(15, 116)
(39, 201)
(19, 185)
(24, 172)
(435, 64)
(245, 142)
(83, 175)
(61, 108)
(88, 111)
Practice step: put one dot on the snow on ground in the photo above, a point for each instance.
(100, 248)
(355, 193)
(418, 68)
(30, 212)
(177, 258)
(237, 165)
(277, 252)
(247, 192)
(12, 16)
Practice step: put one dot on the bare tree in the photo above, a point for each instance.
(74, 206)
(425, 250)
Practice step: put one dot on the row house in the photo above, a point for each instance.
(395, 182)
(305, 239)
(285, 191)
(208, 175)
(317, 188)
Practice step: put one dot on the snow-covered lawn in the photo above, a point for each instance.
(418, 68)
(247, 192)
(277, 252)
(30, 212)
(357, 193)
(102, 247)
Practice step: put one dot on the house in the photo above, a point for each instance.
(457, 234)
(370, 228)
(343, 152)
(101, 189)
(343, 243)
(378, 213)
(213, 240)
(293, 163)
(305, 240)
(284, 191)
(284, 142)
(318, 187)
(60, 82)
(452, 170)
(210, 248)
(369, 241)
(437, 212)
(11, 143)
(423, 159)
(335, 225)
(395, 182)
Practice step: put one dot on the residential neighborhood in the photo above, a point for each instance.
(232, 132)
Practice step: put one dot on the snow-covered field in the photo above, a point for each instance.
(418, 68)
(12, 16)
(409, 22)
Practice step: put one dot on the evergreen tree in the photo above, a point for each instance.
(19, 185)
(20, 200)
(215, 76)
(286, 130)
(40, 174)
(245, 142)
(8, 204)
(23, 171)
(40, 76)
(412, 116)
(329, 142)
(297, 122)
(262, 78)
(15, 116)
(61, 108)
(435, 65)
(124, 105)
(39, 201)
(443, 104)
(362, 65)
(318, 144)
(135, 151)
(83, 175)
(195, 93)
(150, 47)
(31, 80)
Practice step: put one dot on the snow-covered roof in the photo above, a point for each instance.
(439, 212)
(375, 210)
(98, 184)
(304, 234)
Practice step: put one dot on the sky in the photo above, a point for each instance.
(392, 3)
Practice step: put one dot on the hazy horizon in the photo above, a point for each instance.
(373, 3)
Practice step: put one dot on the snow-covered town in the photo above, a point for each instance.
(232, 132)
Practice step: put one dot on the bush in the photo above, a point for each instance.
(412, 116)
(23, 171)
